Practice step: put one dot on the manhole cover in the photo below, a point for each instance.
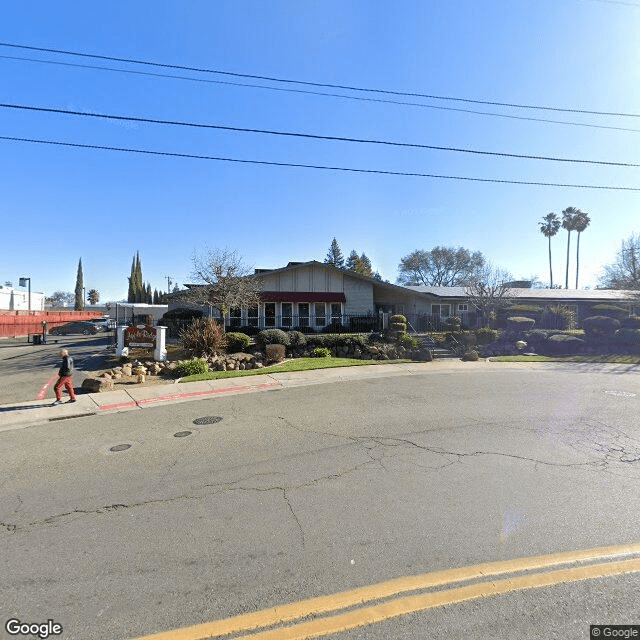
(623, 394)
(120, 447)
(207, 420)
(182, 434)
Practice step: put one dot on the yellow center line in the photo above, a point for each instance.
(335, 602)
(412, 604)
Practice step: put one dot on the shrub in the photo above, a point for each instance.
(296, 338)
(564, 317)
(272, 336)
(600, 326)
(408, 342)
(628, 337)
(373, 338)
(275, 352)
(485, 335)
(304, 329)
(564, 344)
(453, 323)
(525, 308)
(191, 367)
(248, 330)
(610, 310)
(398, 326)
(632, 322)
(237, 342)
(204, 337)
(398, 318)
(321, 352)
(335, 327)
(520, 323)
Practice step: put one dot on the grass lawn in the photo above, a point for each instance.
(615, 359)
(299, 364)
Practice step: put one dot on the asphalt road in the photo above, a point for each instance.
(25, 368)
(315, 490)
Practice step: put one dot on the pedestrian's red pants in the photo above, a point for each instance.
(67, 383)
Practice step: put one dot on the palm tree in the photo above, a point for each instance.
(568, 222)
(581, 222)
(549, 227)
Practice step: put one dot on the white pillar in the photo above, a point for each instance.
(120, 342)
(160, 352)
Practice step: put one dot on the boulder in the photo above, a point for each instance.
(97, 385)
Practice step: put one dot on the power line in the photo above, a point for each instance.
(311, 166)
(318, 84)
(311, 136)
(327, 94)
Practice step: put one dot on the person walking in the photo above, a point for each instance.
(64, 380)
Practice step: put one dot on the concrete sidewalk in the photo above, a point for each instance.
(135, 398)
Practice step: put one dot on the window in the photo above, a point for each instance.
(252, 316)
(303, 314)
(463, 307)
(287, 311)
(442, 310)
(235, 317)
(270, 314)
(336, 312)
(320, 311)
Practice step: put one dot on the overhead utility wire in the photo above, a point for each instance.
(312, 136)
(311, 166)
(325, 93)
(310, 83)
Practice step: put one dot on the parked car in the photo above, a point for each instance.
(85, 328)
(103, 324)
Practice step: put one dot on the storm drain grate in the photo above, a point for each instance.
(120, 447)
(182, 434)
(207, 420)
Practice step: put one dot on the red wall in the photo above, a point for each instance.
(21, 323)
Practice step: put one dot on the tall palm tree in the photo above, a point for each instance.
(568, 222)
(581, 222)
(549, 227)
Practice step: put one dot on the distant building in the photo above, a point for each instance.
(18, 299)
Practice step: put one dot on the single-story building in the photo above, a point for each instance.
(18, 299)
(314, 294)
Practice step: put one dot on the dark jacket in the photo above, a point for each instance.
(67, 366)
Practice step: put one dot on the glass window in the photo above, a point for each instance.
(235, 317)
(442, 310)
(320, 311)
(252, 316)
(287, 312)
(463, 307)
(270, 314)
(336, 312)
(303, 314)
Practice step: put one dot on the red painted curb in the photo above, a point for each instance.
(191, 394)
(43, 392)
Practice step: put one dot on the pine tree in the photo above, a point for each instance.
(148, 294)
(335, 256)
(156, 297)
(131, 296)
(352, 261)
(364, 267)
(79, 298)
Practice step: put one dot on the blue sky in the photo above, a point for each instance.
(60, 204)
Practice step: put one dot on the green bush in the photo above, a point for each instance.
(561, 344)
(237, 342)
(335, 327)
(628, 337)
(398, 318)
(610, 310)
(632, 322)
(296, 338)
(453, 323)
(408, 342)
(272, 336)
(484, 335)
(203, 337)
(525, 308)
(520, 323)
(191, 367)
(304, 329)
(375, 338)
(321, 352)
(249, 330)
(601, 326)
(398, 326)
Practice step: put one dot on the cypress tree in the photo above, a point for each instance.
(79, 299)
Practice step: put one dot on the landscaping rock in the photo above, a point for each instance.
(97, 385)
(470, 356)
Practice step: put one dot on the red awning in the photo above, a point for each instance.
(302, 296)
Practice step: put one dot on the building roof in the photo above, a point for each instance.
(561, 295)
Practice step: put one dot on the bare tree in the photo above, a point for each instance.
(440, 267)
(488, 291)
(223, 282)
(624, 272)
